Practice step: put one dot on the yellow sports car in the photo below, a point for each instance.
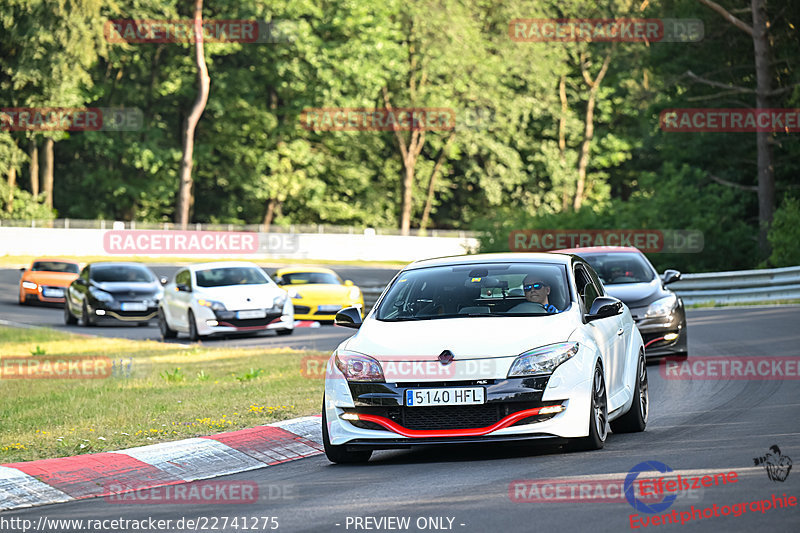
(318, 293)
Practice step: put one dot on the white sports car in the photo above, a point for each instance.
(493, 347)
(221, 298)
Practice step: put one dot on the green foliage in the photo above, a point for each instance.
(173, 376)
(251, 374)
(23, 207)
(784, 235)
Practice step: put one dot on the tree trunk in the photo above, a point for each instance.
(12, 182)
(766, 170)
(583, 162)
(47, 173)
(204, 82)
(34, 168)
(426, 212)
(562, 138)
(270, 214)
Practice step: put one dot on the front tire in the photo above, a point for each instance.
(86, 318)
(635, 419)
(166, 332)
(598, 415)
(284, 331)
(194, 336)
(23, 297)
(340, 454)
(69, 318)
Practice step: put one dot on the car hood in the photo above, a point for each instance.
(122, 287)
(57, 279)
(637, 294)
(321, 291)
(238, 297)
(467, 338)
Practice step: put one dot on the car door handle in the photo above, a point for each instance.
(620, 331)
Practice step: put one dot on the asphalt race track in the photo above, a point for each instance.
(325, 338)
(696, 427)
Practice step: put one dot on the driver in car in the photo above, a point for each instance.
(536, 292)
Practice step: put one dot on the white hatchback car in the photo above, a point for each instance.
(221, 298)
(494, 347)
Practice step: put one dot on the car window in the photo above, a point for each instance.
(299, 278)
(54, 266)
(183, 278)
(221, 277)
(491, 289)
(587, 291)
(621, 267)
(121, 273)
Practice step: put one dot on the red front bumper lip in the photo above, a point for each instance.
(473, 432)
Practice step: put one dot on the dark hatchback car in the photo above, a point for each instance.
(658, 312)
(125, 292)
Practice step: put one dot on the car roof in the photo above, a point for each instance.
(509, 257)
(54, 260)
(116, 263)
(297, 269)
(598, 249)
(220, 264)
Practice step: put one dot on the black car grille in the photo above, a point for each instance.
(248, 322)
(444, 417)
(301, 309)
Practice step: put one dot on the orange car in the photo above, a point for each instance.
(47, 280)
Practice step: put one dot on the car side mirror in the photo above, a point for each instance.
(349, 317)
(163, 280)
(183, 287)
(604, 307)
(348, 283)
(670, 276)
(80, 281)
(279, 280)
(23, 269)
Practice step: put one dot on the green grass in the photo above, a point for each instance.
(739, 304)
(156, 392)
(19, 261)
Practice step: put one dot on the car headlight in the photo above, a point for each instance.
(355, 293)
(101, 295)
(29, 285)
(294, 294)
(357, 367)
(662, 307)
(543, 360)
(215, 306)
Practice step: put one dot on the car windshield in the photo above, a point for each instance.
(220, 277)
(618, 268)
(298, 278)
(54, 266)
(491, 289)
(121, 273)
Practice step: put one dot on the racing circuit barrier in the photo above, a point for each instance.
(739, 286)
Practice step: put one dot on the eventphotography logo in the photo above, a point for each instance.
(730, 120)
(775, 463)
(646, 240)
(628, 30)
(70, 119)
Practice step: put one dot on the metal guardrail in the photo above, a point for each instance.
(739, 286)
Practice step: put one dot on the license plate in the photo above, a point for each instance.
(329, 308)
(461, 396)
(254, 313)
(132, 306)
(52, 293)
